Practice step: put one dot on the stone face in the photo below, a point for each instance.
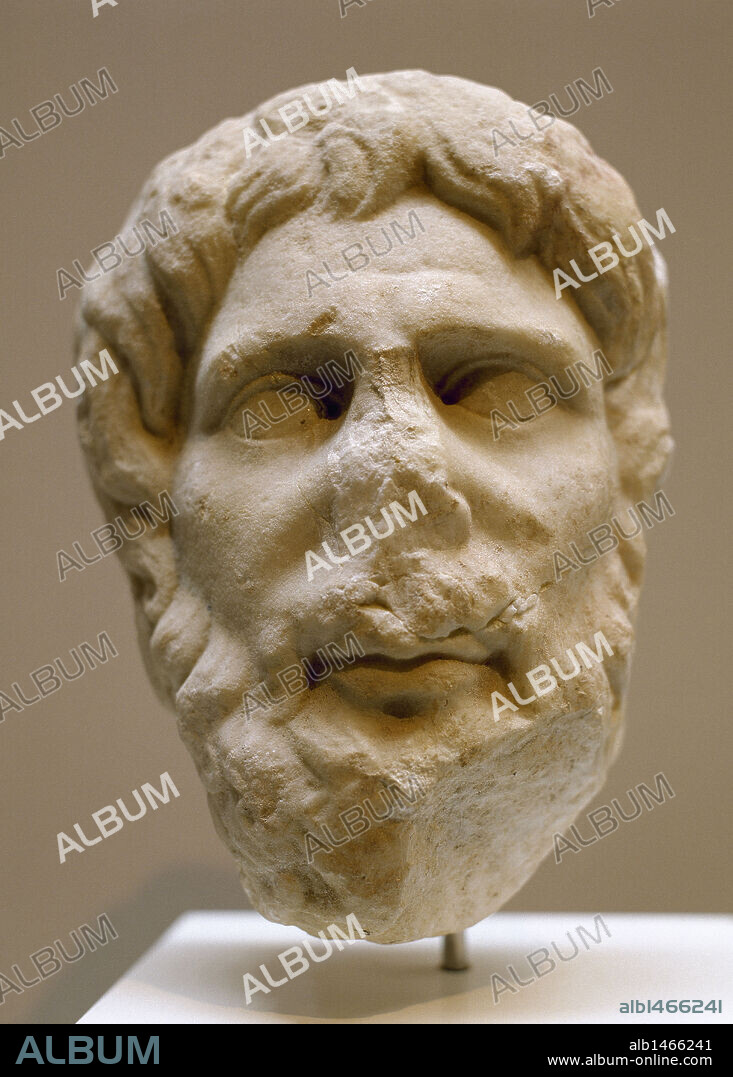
(315, 363)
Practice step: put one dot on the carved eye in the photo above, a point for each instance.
(282, 406)
(486, 387)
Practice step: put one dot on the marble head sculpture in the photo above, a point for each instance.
(348, 333)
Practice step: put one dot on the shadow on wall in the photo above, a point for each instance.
(139, 923)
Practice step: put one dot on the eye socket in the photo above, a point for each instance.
(485, 387)
(280, 406)
(329, 402)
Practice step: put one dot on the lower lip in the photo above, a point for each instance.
(412, 689)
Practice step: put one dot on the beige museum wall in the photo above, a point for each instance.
(181, 66)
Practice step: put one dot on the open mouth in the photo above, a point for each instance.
(459, 647)
(411, 687)
(405, 665)
(380, 663)
(400, 672)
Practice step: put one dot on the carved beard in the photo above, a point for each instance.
(477, 800)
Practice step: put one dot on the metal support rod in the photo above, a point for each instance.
(455, 958)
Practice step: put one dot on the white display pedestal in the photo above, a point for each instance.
(194, 974)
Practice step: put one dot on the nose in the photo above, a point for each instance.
(391, 446)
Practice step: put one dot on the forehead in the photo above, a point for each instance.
(443, 269)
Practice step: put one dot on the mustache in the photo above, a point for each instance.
(385, 637)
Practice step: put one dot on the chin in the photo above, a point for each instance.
(419, 826)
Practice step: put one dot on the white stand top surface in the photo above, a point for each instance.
(194, 974)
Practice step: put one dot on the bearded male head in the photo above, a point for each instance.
(382, 426)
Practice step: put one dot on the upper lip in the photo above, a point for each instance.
(460, 645)
(385, 639)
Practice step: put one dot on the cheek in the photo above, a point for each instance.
(575, 488)
(219, 510)
(237, 521)
(542, 491)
